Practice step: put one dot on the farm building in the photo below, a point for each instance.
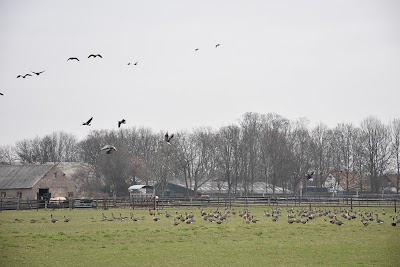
(35, 182)
(170, 189)
(141, 192)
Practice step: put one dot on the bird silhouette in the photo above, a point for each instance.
(123, 121)
(88, 122)
(92, 55)
(1, 94)
(73, 58)
(38, 73)
(133, 63)
(217, 45)
(24, 76)
(109, 149)
(309, 175)
(167, 138)
(196, 50)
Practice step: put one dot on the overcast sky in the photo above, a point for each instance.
(328, 61)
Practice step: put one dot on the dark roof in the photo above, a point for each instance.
(22, 176)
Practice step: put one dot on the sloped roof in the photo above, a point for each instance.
(22, 176)
(138, 186)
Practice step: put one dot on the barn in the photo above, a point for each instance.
(33, 182)
(171, 189)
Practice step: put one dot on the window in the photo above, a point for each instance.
(3, 194)
(70, 194)
(19, 194)
(55, 175)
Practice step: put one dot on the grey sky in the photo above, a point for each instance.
(329, 61)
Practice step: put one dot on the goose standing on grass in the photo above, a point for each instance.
(52, 219)
(103, 217)
(377, 219)
(393, 222)
(65, 219)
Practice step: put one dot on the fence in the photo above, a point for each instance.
(373, 201)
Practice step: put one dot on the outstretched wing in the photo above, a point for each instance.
(99, 55)
(166, 137)
(91, 56)
(88, 122)
(169, 139)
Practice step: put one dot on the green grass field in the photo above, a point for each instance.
(88, 241)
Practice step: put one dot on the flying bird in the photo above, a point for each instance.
(38, 73)
(23, 76)
(88, 122)
(92, 55)
(309, 175)
(167, 138)
(196, 50)
(123, 121)
(1, 94)
(73, 58)
(217, 45)
(133, 63)
(109, 149)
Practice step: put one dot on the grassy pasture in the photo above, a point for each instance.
(88, 241)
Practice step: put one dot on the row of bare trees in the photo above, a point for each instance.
(267, 148)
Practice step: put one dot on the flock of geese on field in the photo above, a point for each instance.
(337, 216)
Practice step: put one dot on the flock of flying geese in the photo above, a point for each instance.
(300, 216)
(107, 148)
(77, 59)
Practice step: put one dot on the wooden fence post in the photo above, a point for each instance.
(351, 203)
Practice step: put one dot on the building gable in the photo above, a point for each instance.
(22, 176)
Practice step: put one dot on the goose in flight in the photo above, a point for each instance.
(309, 175)
(196, 50)
(133, 63)
(88, 122)
(109, 149)
(24, 76)
(92, 55)
(217, 45)
(1, 94)
(38, 73)
(167, 138)
(73, 58)
(123, 121)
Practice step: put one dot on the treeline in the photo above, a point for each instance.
(267, 148)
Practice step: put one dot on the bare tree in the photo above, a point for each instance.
(395, 131)
(377, 142)
(7, 155)
(228, 154)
